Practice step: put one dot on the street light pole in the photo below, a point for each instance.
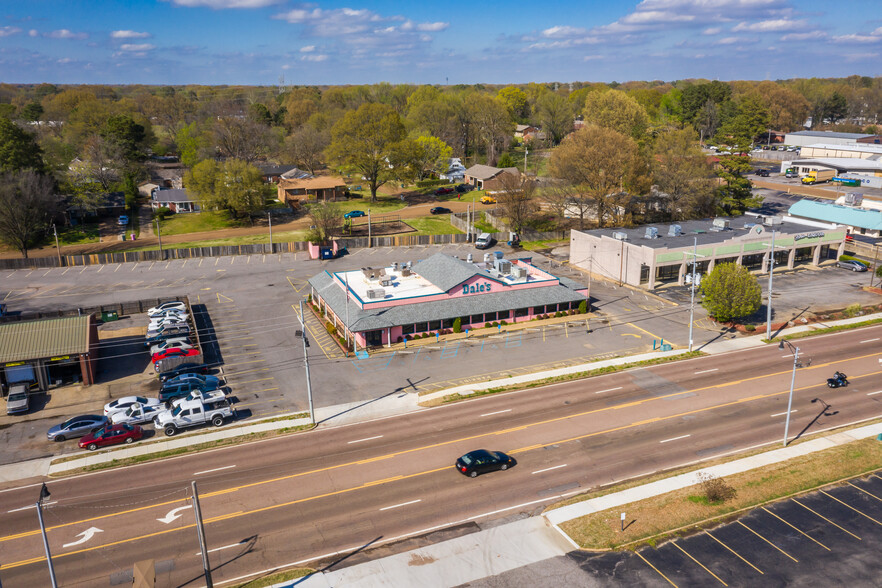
(269, 215)
(769, 303)
(44, 493)
(200, 532)
(306, 364)
(792, 383)
(159, 234)
(57, 248)
(692, 296)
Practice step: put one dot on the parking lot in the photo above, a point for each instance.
(827, 537)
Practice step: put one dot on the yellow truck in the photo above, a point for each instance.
(488, 200)
(816, 176)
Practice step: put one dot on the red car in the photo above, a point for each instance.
(174, 352)
(111, 435)
(442, 191)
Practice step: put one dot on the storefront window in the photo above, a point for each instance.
(667, 272)
(434, 325)
(503, 314)
(753, 261)
(538, 310)
(476, 319)
(407, 329)
(490, 317)
(421, 327)
(447, 324)
(521, 312)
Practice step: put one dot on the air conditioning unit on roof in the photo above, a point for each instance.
(376, 293)
(620, 235)
(651, 233)
(675, 231)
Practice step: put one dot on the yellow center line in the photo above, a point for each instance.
(852, 508)
(656, 569)
(734, 552)
(795, 529)
(677, 545)
(767, 541)
(864, 491)
(826, 519)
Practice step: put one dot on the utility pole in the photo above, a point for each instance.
(526, 151)
(57, 248)
(44, 493)
(306, 362)
(692, 296)
(369, 237)
(269, 215)
(769, 303)
(200, 531)
(346, 326)
(875, 260)
(159, 234)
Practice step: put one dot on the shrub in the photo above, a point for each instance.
(487, 325)
(408, 338)
(503, 323)
(399, 339)
(558, 314)
(750, 328)
(457, 326)
(495, 324)
(162, 212)
(583, 307)
(426, 335)
(852, 310)
(715, 489)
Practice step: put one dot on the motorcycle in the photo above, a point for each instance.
(838, 380)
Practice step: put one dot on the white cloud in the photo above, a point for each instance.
(307, 49)
(432, 27)
(9, 31)
(33, 33)
(129, 35)
(804, 36)
(565, 44)
(316, 58)
(136, 47)
(65, 34)
(563, 31)
(711, 31)
(223, 4)
(729, 41)
(764, 26)
(64, 60)
(861, 56)
(652, 17)
(857, 39)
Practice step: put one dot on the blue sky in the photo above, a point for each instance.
(357, 42)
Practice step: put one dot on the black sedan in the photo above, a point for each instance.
(184, 368)
(440, 210)
(481, 461)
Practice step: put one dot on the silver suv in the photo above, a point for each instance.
(18, 400)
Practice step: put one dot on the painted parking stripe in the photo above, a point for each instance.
(656, 569)
(870, 340)
(365, 439)
(864, 491)
(549, 469)
(795, 529)
(707, 371)
(497, 412)
(852, 508)
(826, 519)
(675, 438)
(214, 470)
(608, 390)
(767, 541)
(738, 555)
(777, 414)
(677, 545)
(874, 393)
(400, 505)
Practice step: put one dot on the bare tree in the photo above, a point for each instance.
(305, 148)
(241, 138)
(682, 173)
(569, 200)
(27, 205)
(516, 200)
(491, 122)
(327, 220)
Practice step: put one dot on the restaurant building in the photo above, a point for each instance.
(381, 306)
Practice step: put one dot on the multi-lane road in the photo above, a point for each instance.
(310, 496)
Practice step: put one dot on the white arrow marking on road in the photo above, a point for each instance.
(87, 534)
(174, 514)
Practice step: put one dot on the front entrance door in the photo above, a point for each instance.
(374, 338)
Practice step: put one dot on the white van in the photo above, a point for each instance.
(484, 241)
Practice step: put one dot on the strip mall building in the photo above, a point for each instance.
(384, 305)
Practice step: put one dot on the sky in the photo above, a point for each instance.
(260, 42)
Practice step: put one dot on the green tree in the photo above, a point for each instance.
(431, 156)
(305, 147)
(234, 185)
(192, 145)
(362, 143)
(730, 292)
(671, 105)
(555, 116)
(129, 136)
(18, 149)
(682, 173)
(515, 101)
(260, 114)
(694, 97)
(734, 195)
(617, 111)
(32, 111)
(327, 218)
(506, 160)
(751, 121)
(490, 123)
(27, 206)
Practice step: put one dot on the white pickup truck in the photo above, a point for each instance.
(189, 413)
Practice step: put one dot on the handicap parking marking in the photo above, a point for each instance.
(514, 341)
(689, 555)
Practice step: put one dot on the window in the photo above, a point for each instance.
(407, 329)
(503, 314)
(490, 317)
(476, 319)
(667, 272)
(421, 327)
(434, 325)
(521, 312)
(538, 310)
(447, 324)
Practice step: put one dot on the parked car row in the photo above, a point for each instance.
(169, 333)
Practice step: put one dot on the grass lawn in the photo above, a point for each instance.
(683, 511)
(483, 227)
(197, 222)
(431, 225)
(544, 244)
(78, 235)
(473, 196)
(276, 578)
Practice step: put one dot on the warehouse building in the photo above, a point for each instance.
(652, 256)
(49, 353)
(803, 138)
(381, 306)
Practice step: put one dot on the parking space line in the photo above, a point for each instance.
(734, 552)
(852, 508)
(767, 541)
(677, 545)
(656, 569)
(864, 491)
(826, 519)
(795, 529)
(241, 362)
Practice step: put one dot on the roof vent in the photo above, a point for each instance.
(651, 233)
(376, 293)
(620, 235)
(853, 199)
(519, 273)
(721, 224)
(772, 220)
(372, 274)
(675, 231)
(394, 266)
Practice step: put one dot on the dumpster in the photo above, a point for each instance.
(109, 315)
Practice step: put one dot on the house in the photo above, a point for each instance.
(272, 173)
(522, 130)
(146, 189)
(485, 177)
(175, 199)
(533, 136)
(110, 204)
(293, 191)
(166, 174)
(455, 170)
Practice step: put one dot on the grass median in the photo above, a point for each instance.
(684, 511)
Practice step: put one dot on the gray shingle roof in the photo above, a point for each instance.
(446, 271)
(485, 172)
(173, 195)
(381, 318)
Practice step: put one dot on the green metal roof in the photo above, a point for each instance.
(27, 340)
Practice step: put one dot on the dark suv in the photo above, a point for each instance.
(763, 173)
